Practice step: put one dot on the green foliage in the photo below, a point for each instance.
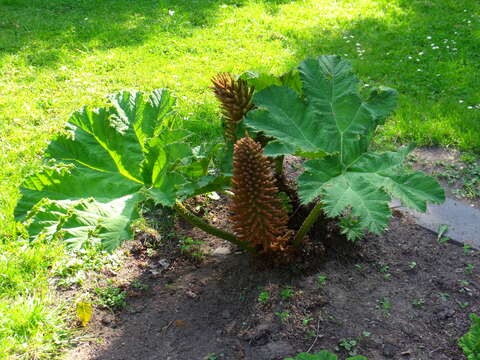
(333, 125)
(106, 162)
(191, 248)
(263, 297)
(286, 294)
(111, 297)
(470, 342)
(323, 355)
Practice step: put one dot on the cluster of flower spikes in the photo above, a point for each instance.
(258, 215)
(235, 95)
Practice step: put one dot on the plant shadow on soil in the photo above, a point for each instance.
(401, 295)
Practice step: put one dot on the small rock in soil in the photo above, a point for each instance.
(221, 251)
(389, 350)
(226, 314)
(445, 314)
(164, 263)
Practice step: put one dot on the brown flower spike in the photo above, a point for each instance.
(236, 99)
(259, 217)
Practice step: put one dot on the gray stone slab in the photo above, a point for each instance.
(463, 221)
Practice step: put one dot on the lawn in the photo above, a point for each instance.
(56, 56)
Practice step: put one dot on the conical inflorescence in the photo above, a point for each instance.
(235, 95)
(259, 216)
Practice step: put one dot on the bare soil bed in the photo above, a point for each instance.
(401, 295)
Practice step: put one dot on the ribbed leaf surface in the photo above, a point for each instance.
(107, 161)
(332, 124)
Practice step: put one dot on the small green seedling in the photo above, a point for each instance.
(306, 321)
(348, 345)
(412, 265)
(191, 248)
(467, 249)
(321, 280)
(385, 305)
(284, 315)
(444, 296)
(263, 297)
(442, 230)
(469, 269)
(138, 285)
(214, 356)
(384, 270)
(463, 305)
(366, 334)
(361, 267)
(419, 303)
(287, 293)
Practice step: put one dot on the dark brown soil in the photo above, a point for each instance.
(401, 295)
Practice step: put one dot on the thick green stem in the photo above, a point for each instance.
(201, 224)
(307, 224)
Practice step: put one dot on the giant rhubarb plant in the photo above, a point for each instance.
(108, 160)
(330, 123)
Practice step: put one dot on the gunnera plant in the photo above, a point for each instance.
(259, 216)
(110, 160)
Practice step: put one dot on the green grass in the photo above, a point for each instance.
(56, 55)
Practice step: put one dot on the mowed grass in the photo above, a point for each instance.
(57, 55)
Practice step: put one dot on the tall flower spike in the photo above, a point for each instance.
(259, 217)
(236, 99)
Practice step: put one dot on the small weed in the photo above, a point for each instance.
(191, 248)
(138, 285)
(361, 267)
(307, 321)
(444, 296)
(348, 345)
(111, 297)
(463, 305)
(384, 270)
(214, 356)
(385, 305)
(467, 249)
(321, 280)
(310, 334)
(469, 269)
(442, 230)
(284, 315)
(366, 334)
(264, 297)
(419, 303)
(412, 265)
(287, 293)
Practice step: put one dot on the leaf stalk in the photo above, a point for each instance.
(201, 224)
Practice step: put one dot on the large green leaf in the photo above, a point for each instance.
(329, 117)
(332, 124)
(470, 342)
(364, 189)
(105, 162)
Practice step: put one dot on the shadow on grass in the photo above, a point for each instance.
(47, 30)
